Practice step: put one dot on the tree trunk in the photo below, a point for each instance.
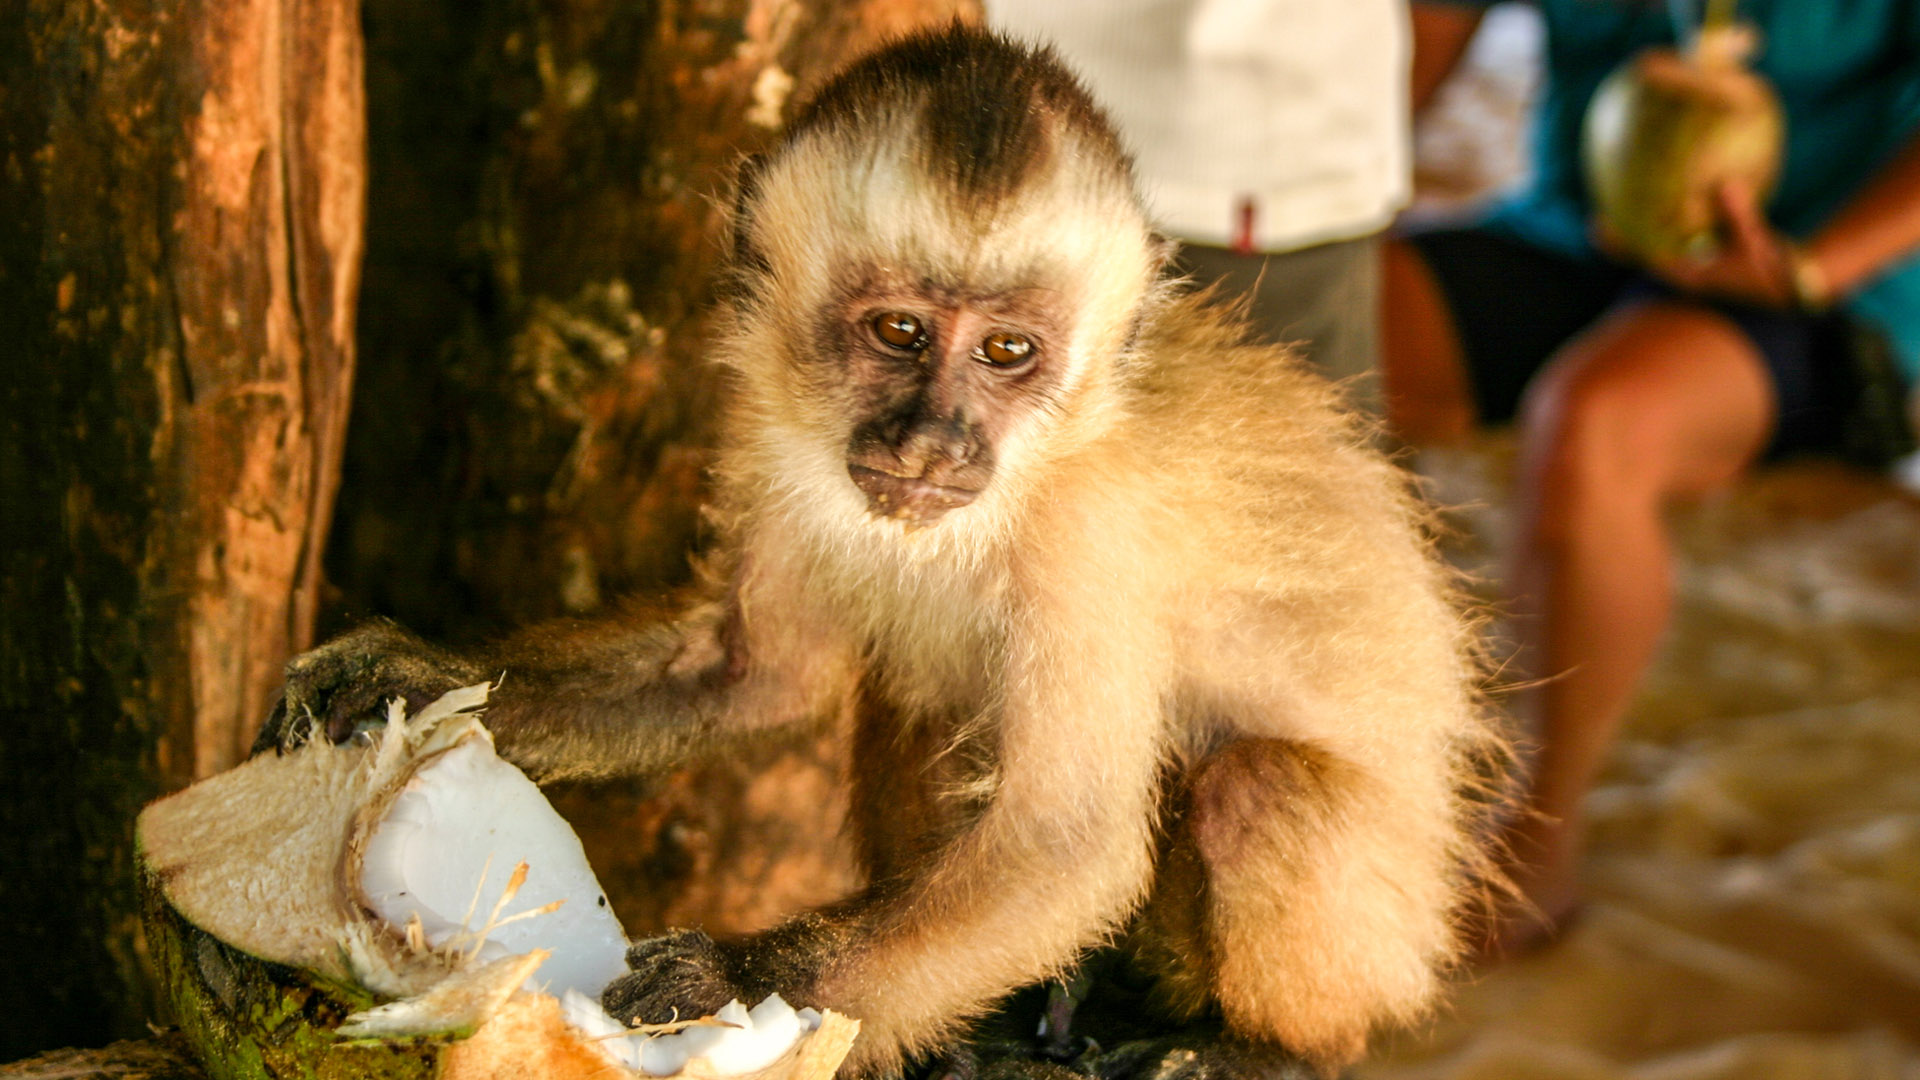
(531, 424)
(179, 257)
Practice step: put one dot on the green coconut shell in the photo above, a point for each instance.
(248, 1018)
(1663, 134)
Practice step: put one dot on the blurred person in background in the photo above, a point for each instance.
(1271, 138)
(1633, 385)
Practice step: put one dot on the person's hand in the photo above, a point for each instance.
(1754, 265)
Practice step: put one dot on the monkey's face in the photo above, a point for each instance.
(936, 381)
(936, 279)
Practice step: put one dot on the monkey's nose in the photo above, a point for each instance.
(951, 440)
(919, 457)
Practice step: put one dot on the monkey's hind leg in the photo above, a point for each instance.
(1329, 894)
(1173, 1058)
(1103, 1024)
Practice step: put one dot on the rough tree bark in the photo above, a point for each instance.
(531, 417)
(179, 255)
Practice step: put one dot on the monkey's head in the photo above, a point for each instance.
(938, 272)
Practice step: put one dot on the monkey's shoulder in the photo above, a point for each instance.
(1203, 380)
(1248, 437)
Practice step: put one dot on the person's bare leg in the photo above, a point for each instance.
(1422, 368)
(1652, 403)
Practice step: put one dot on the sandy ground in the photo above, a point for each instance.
(1754, 877)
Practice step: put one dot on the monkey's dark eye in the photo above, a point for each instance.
(1005, 350)
(900, 330)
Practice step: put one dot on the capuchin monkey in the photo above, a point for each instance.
(1143, 641)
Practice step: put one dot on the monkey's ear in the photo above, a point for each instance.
(747, 258)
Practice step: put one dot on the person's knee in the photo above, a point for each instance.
(1589, 448)
(1667, 402)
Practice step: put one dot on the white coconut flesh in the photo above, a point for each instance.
(451, 842)
(733, 1042)
(480, 892)
(447, 848)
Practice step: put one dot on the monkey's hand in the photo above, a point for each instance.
(344, 686)
(681, 975)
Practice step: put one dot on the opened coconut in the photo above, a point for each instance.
(409, 905)
(1667, 131)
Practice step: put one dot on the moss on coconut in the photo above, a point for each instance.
(251, 1019)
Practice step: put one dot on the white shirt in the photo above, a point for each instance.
(1297, 108)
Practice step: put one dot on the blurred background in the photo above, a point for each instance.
(319, 311)
(1753, 868)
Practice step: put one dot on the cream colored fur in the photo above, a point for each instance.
(1189, 546)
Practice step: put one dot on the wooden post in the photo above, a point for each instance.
(179, 257)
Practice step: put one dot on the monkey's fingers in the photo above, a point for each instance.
(296, 720)
(280, 730)
(685, 946)
(664, 996)
(680, 975)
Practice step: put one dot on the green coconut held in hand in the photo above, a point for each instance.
(1669, 130)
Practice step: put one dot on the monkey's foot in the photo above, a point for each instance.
(1187, 1058)
(1172, 1058)
(1029, 1070)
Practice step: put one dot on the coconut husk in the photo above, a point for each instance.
(276, 968)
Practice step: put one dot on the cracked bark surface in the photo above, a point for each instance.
(178, 263)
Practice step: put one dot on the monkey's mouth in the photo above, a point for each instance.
(912, 500)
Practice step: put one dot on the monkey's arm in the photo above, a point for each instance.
(643, 693)
(644, 690)
(1060, 855)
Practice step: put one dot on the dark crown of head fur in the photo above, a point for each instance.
(988, 106)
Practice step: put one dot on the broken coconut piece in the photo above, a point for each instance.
(732, 1042)
(396, 907)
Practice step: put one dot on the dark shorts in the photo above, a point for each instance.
(1325, 297)
(1515, 304)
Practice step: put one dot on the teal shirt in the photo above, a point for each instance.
(1848, 75)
